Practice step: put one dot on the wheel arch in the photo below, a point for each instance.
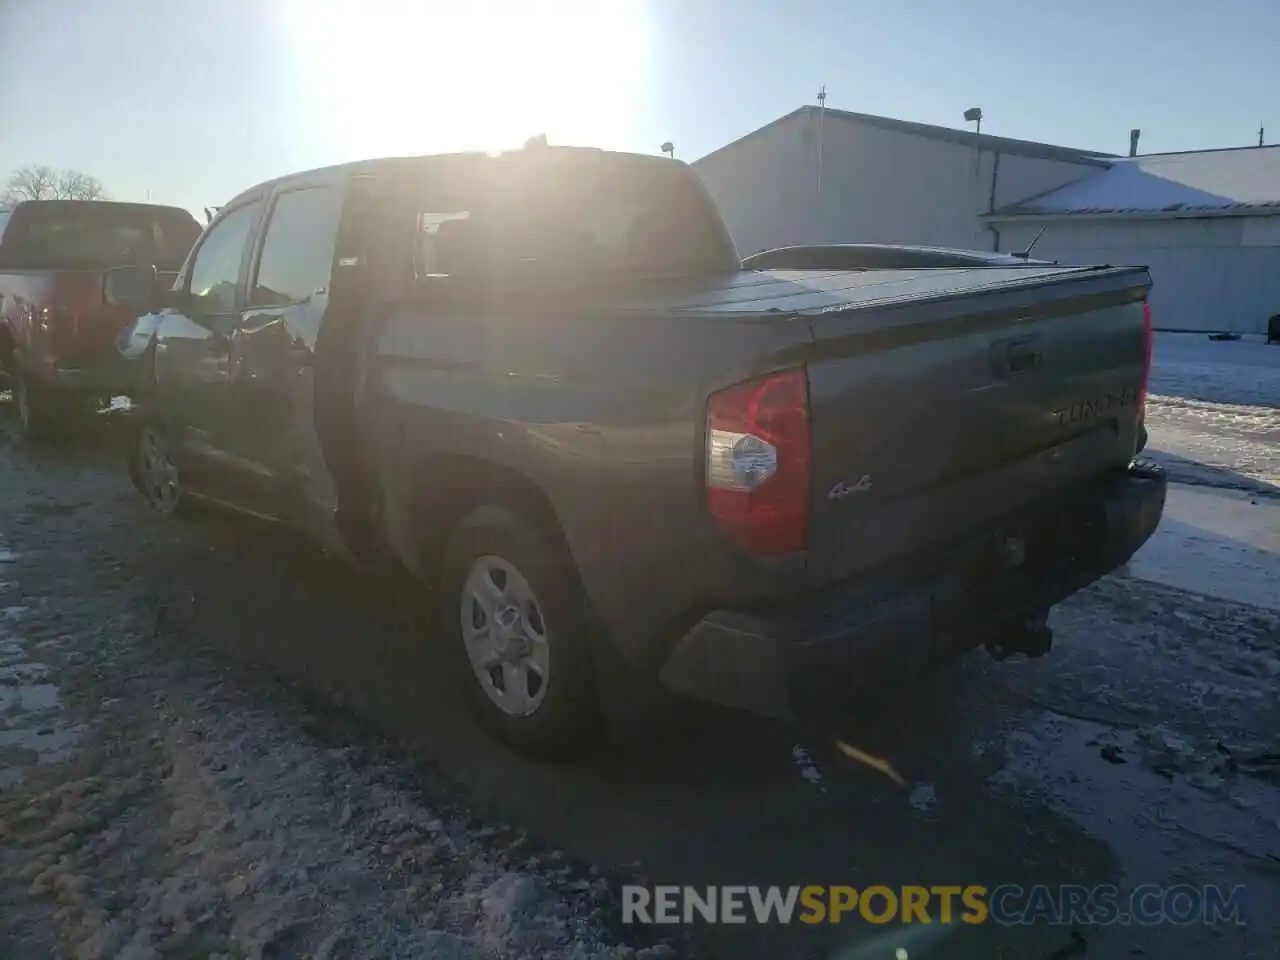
(445, 487)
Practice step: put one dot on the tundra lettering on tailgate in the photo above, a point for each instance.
(1094, 407)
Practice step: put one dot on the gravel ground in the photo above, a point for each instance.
(215, 744)
(159, 801)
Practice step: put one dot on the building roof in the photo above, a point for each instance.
(984, 141)
(1230, 182)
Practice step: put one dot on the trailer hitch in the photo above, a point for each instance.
(1031, 637)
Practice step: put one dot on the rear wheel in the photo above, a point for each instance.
(514, 617)
(152, 470)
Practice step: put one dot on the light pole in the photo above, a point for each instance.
(822, 117)
(974, 115)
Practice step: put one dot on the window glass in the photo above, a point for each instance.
(567, 214)
(298, 252)
(6, 247)
(89, 234)
(448, 244)
(215, 272)
(175, 233)
(610, 217)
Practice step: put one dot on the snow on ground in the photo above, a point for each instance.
(156, 802)
(1191, 366)
(1214, 421)
(1212, 413)
(1217, 542)
(1216, 444)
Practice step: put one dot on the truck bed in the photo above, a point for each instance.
(944, 399)
(757, 293)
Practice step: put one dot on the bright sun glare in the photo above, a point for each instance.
(387, 77)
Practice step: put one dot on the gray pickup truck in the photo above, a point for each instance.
(544, 383)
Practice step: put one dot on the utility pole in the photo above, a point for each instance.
(1261, 131)
(822, 118)
(974, 114)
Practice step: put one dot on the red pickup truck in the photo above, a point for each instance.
(58, 321)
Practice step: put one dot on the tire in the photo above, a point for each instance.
(153, 472)
(538, 695)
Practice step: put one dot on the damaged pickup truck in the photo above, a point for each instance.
(544, 383)
(62, 265)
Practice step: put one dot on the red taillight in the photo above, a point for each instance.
(61, 324)
(758, 462)
(1148, 345)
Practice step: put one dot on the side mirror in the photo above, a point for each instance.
(140, 289)
(164, 292)
(130, 287)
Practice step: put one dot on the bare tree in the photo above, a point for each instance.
(45, 183)
(74, 185)
(31, 183)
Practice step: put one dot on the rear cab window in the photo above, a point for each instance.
(71, 235)
(611, 215)
(571, 214)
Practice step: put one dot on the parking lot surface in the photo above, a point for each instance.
(215, 742)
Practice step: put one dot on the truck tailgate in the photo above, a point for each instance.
(942, 400)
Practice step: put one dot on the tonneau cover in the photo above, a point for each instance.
(814, 291)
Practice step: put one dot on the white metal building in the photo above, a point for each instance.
(1206, 223)
(816, 176)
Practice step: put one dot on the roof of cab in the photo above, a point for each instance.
(340, 170)
(72, 204)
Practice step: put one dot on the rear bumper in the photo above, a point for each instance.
(859, 636)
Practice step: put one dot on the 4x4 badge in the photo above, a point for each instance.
(842, 489)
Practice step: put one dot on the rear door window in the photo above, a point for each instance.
(297, 254)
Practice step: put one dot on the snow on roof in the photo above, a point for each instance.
(1234, 180)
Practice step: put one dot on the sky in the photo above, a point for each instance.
(190, 103)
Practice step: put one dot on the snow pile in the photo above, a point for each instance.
(1212, 413)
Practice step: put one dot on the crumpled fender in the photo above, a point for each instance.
(135, 339)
